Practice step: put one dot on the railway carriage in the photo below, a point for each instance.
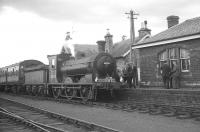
(12, 77)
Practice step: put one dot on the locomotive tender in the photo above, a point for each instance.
(65, 76)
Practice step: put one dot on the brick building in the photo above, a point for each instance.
(180, 43)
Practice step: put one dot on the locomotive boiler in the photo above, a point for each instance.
(89, 69)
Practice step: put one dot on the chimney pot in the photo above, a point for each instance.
(145, 24)
(172, 20)
(144, 30)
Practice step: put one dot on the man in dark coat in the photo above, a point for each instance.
(134, 72)
(165, 72)
(175, 74)
(129, 75)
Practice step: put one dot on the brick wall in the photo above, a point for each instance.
(161, 96)
(150, 75)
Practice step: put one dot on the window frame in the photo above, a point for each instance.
(178, 58)
(182, 58)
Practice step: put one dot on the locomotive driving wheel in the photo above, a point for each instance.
(34, 90)
(85, 93)
(41, 90)
(14, 89)
(56, 92)
(28, 90)
(69, 93)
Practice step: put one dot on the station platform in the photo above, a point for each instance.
(116, 119)
(182, 96)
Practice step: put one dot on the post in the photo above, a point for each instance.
(132, 31)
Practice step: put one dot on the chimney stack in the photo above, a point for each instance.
(109, 42)
(101, 46)
(144, 30)
(172, 20)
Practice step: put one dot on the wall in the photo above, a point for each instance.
(150, 75)
(176, 97)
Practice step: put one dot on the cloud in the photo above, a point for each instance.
(87, 11)
(100, 11)
(54, 9)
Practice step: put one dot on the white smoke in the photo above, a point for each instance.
(69, 44)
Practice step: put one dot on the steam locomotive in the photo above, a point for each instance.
(65, 76)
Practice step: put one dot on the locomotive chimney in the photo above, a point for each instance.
(101, 45)
(172, 20)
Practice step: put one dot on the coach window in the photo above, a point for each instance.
(8, 71)
(17, 70)
(53, 63)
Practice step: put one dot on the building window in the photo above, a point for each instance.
(163, 57)
(184, 60)
(173, 56)
(179, 55)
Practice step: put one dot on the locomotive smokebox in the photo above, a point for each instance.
(105, 65)
(101, 46)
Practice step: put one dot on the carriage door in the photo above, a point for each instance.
(52, 68)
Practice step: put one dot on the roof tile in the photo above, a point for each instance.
(120, 48)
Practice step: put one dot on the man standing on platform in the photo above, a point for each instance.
(129, 75)
(175, 73)
(134, 70)
(165, 72)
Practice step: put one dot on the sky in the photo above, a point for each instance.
(33, 29)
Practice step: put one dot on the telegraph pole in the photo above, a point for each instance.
(132, 30)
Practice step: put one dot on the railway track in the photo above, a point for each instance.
(10, 123)
(45, 121)
(142, 106)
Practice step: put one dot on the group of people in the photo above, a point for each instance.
(129, 75)
(170, 75)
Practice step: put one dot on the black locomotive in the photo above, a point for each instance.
(65, 76)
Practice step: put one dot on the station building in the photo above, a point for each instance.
(180, 43)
